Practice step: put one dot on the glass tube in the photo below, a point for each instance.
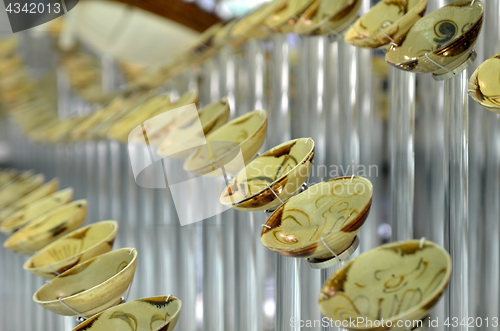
(402, 129)
(456, 194)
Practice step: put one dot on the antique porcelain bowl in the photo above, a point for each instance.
(35, 210)
(148, 314)
(156, 128)
(90, 287)
(400, 281)
(252, 25)
(386, 22)
(72, 249)
(328, 16)
(48, 228)
(324, 218)
(283, 19)
(484, 86)
(181, 142)
(279, 172)
(247, 132)
(441, 42)
(19, 188)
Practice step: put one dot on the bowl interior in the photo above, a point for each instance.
(149, 314)
(387, 281)
(437, 30)
(267, 169)
(231, 134)
(54, 222)
(87, 275)
(287, 12)
(320, 211)
(74, 243)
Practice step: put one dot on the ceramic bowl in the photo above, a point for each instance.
(8, 47)
(157, 127)
(19, 188)
(283, 19)
(443, 38)
(7, 177)
(148, 314)
(35, 210)
(48, 228)
(484, 86)
(388, 21)
(122, 128)
(284, 168)
(330, 213)
(251, 25)
(398, 281)
(90, 287)
(247, 131)
(211, 117)
(72, 249)
(328, 16)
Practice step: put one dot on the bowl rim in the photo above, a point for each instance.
(306, 157)
(111, 234)
(436, 294)
(39, 219)
(279, 210)
(165, 297)
(261, 112)
(132, 251)
(297, 14)
(476, 90)
(475, 25)
(351, 4)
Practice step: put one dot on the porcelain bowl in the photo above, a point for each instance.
(328, 17)
(388, 21)
(90, 287)
(149, 314)
(19, 188)
(284, 18)
(484, 86)
(72, 249)
(279, 172)
(48, 228)
(441, 41)
(400, 281)
(325, 217)
(37, 209)
(247, 132)
(178, 143)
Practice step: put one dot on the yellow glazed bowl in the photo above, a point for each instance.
(283, 19)
(247, 131)
(443, 38)
(48, 228)
(19, 188)
(282, 169)
(36, 210)
(72, 249)
(211, 117)
(400, 281)
(149, 314)
(484, 86)
(90, 287)
(330, 213)
(388, 21)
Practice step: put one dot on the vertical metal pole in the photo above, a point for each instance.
(402, 128)
(456, 194)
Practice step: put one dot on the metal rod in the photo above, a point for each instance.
(457, 194)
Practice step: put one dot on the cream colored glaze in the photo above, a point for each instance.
(159, 126)
(8, 46)
(211, 117)
(283, 169)
(90, 287)
(328, 16)
(397, 281)
(48, 228)
(333, 210)
(72, 249)
(446, 35)
(19, 188)
(36, 210)
(252, 25)
(283, 20)
(484, 85)
(148, 314)
(248, 131)
(388, 19)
